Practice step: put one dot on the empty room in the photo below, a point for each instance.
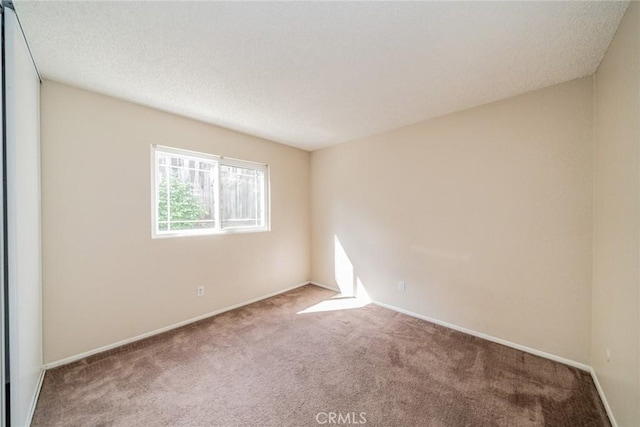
(320, 213)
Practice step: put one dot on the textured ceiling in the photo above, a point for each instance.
(313, 74)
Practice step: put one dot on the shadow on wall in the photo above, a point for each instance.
(352, 292)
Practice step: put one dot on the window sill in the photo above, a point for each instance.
(198, 233)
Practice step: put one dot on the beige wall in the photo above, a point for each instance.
(486, 214)
(498, 218)
(104, 278)
(616, 262)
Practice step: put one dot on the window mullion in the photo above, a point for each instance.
(217, 193)
(168, 189)
(255, 198)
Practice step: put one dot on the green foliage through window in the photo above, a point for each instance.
(184, 205)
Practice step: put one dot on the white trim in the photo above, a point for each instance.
(612, 419)
(208, 232)
(194, 155)
(331, 288)
(36, 395)
(521, 347)
(245, 164)
(216, 162)
(543, 354)
(530, 350)
(266, 190)
(80, 356)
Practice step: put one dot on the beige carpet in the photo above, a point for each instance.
(266, 365)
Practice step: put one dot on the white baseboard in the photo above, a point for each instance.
(526, 349)
(80, 356)
(543, 354)
(331, 288)
(36, 394)
(612, 419)
(521, 347)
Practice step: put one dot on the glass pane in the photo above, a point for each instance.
(185, 193)
(241, 197)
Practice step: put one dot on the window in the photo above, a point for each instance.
(195, 193)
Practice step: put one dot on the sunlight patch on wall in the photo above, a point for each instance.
(352, 291)
(343, 269)
(361, 292)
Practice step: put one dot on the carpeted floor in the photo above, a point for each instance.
(266, 365)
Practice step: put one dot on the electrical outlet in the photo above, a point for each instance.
(401, 286)
(608, 355)
(200, 291)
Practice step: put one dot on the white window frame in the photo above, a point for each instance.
(218, 161)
